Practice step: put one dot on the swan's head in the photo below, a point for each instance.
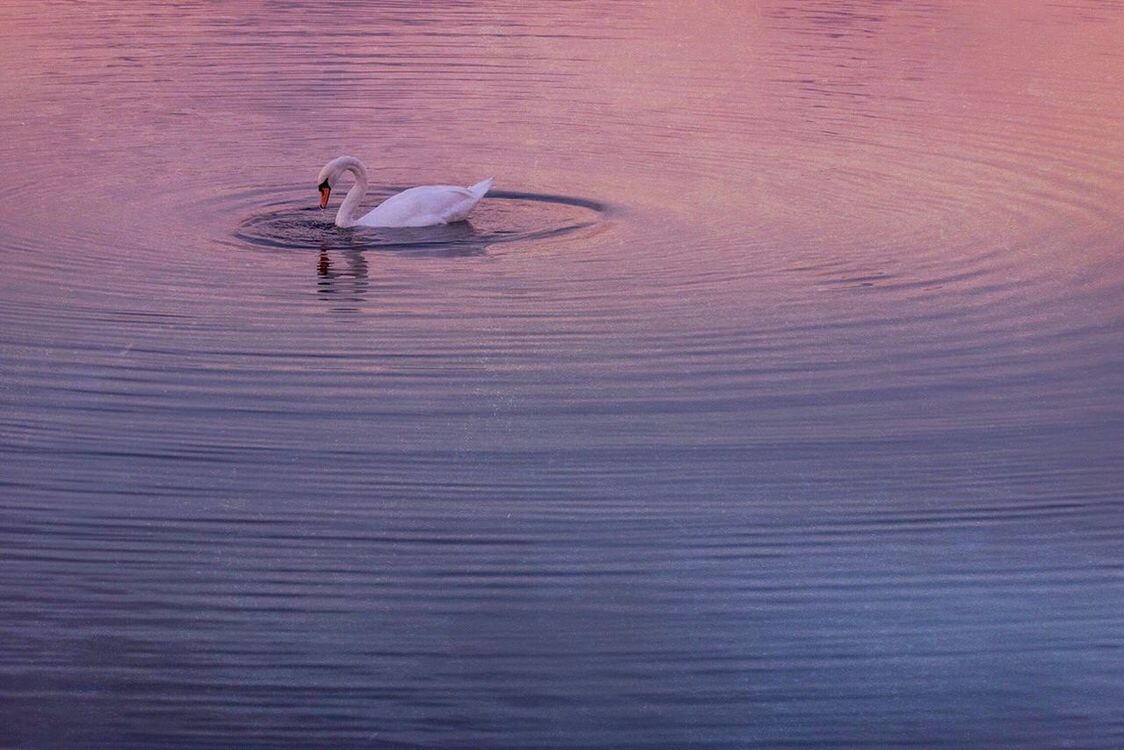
(331, 172)
(328, 175)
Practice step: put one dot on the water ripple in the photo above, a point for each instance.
(502, 217)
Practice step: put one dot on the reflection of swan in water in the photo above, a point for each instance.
(347, 285)
(425, 206)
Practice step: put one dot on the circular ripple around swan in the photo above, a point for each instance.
(502, 217)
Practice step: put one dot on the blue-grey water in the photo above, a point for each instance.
(772, 398)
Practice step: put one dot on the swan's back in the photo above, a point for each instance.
(427, 205)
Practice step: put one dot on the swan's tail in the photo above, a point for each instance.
(481, 188)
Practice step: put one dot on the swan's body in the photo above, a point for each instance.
(425, 206)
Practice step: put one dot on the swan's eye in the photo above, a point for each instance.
(324, 186)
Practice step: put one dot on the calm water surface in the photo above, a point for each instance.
(773, 397)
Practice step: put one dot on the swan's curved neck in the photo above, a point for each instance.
(348, 212)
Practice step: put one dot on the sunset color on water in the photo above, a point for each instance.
(770, 395)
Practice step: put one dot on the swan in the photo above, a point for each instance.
(424, 206)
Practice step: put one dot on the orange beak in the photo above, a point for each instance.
(324, 193)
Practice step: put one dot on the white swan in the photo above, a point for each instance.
(417, 207)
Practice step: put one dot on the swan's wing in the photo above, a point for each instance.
(424, 206)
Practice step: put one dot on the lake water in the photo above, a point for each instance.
(773, 397)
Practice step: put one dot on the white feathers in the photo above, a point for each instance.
(424, 206)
